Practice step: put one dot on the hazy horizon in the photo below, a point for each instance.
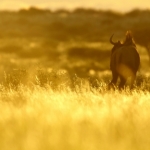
(73, 4)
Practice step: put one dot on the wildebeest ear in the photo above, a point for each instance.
(127, 32)
(128, 35)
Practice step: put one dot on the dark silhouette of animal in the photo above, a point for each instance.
(124, 62)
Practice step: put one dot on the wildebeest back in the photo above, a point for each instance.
(126, 55)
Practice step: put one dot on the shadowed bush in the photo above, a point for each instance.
(11, 49)
(88, 53)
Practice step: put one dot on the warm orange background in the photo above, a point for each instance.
(119, 5)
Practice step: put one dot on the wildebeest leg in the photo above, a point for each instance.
(113, 82)
(132, 81)
(122, 82)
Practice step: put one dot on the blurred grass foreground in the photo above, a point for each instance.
(54, 71)
(86, 118)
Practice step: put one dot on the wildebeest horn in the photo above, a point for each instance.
(111, 40)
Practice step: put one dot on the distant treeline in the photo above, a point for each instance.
(79, 24)
(34, 10)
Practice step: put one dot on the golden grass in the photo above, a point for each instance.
(39, 118)
(46, 109)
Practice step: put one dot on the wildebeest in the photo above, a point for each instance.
(124, 62)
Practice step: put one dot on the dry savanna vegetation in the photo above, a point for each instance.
(54, 72)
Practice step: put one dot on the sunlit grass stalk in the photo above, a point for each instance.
(41, 118)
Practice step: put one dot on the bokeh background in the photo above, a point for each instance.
(72, 36)
(54, 72)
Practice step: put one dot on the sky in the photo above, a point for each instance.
(118, 5)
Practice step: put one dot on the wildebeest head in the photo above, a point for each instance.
(124, 61)
(128, 41)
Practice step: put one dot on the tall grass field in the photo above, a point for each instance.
(54, 76)
(37, 117)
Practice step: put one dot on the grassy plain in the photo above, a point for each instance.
(42, 108)
(87, 119)
(54, 71)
